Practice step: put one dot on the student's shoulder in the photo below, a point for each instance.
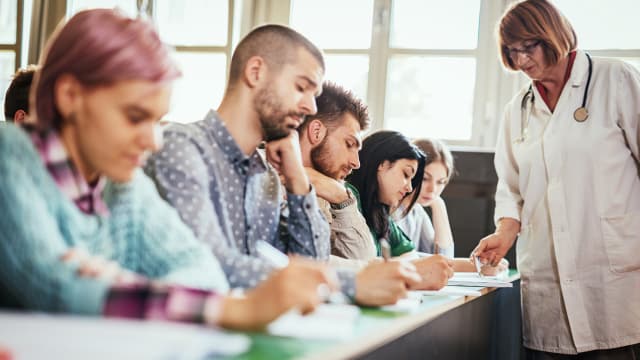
(16, 148)
(13, 137)
(193, 131)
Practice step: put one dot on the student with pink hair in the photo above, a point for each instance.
(83, 230)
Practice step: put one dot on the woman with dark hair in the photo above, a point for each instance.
(567, 159)
(390, 177)
(389, 163)
(83, 230)
(390, 170)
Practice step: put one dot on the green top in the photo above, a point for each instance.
(399, 241)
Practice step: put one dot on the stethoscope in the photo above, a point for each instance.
(580, 115)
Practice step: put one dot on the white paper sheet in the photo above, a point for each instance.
(39, 336)
(451, 291)
(327, 322)
(473, 279)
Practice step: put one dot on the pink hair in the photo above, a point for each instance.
(99, 47)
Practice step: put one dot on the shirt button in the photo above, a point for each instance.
(308, 206)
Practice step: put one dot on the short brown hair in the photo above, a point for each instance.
(276, 44)
(436, 151)
(334, 102)
(536, 20)
(17, 95)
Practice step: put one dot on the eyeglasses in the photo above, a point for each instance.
(527, 49)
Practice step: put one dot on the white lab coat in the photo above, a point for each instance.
(575, 188)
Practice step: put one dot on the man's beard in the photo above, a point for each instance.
(272, 116)
(321, 160)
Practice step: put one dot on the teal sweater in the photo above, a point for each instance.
(38, 224)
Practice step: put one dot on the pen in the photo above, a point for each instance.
(280, 261)
(385, 248)
(478, 265)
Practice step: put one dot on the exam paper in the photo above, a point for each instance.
(40, 336)
(327, 322)
(473, 279)
(451, 291)
(410, 304)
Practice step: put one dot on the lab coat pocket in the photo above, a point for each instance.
(523, 248)
(621, 236)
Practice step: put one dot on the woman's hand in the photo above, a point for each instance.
(468, 265)
(492, 248)
(435, 271)
(488, 270)
(91, 266)
(385, 282)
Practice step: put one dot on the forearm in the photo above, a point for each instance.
(242, 270)
(306, 228)
(443, 237)
(155, 301)
(508, 227)
(297, 184)
(350, 235)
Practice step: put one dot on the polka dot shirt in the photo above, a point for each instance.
(231, 200)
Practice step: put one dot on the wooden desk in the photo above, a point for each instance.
(445, 327)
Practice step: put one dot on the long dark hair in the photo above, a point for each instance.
(377, 148)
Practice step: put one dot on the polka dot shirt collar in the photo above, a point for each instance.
(253, 163)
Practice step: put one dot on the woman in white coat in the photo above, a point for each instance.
(569, 186)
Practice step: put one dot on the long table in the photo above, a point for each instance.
(444, 327)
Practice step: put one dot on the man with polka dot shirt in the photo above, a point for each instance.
(226, 190)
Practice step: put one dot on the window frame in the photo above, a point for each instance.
(485, 55)
(17, 46)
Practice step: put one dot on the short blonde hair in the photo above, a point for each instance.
(536, 20)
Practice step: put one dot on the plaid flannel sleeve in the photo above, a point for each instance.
(149, 300)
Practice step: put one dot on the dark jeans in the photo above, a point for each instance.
(631, 352)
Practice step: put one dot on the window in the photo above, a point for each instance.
(203, 47)
(128, 6)
(424, 67)
(10, 39)
(412, 62)
(347, 53)
(431, 69)
(595, 21)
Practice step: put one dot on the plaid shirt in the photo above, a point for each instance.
(140, 298)
(87, 197)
